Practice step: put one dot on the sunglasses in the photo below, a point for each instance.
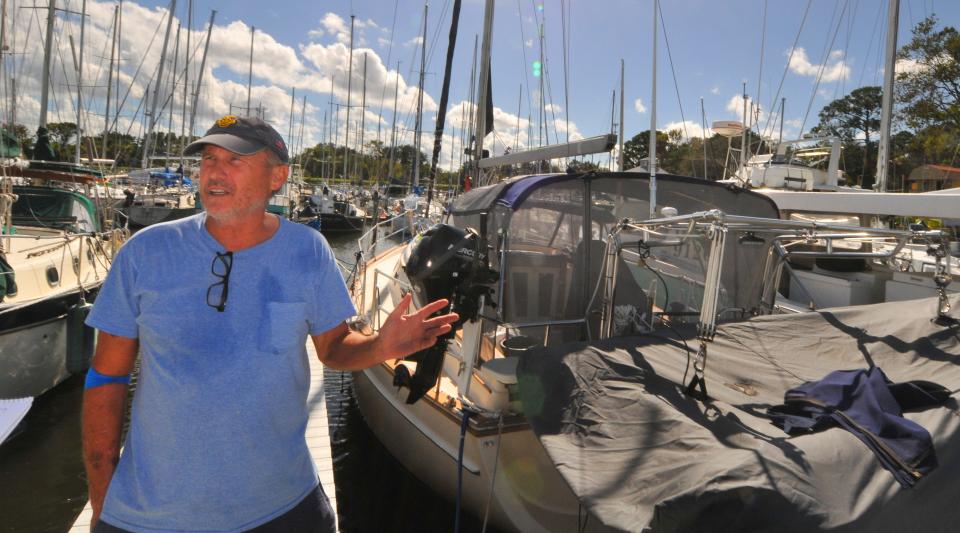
(217, 293)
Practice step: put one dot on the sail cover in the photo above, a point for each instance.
(642, 456)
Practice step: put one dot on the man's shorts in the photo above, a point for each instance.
(313, 515)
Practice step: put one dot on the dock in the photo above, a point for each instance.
(318, 440)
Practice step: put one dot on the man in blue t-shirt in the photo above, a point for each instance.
(219, 306)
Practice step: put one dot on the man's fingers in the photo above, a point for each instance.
(433, 307)
(438, 330)
(449, 318)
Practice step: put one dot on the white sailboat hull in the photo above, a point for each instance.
(529, 495)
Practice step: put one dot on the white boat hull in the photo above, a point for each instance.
(529, 495)
(33, 358)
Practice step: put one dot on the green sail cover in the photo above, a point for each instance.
(9, 144)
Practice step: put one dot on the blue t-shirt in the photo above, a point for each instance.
(216, 438)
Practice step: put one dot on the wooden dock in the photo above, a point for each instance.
(318, 440)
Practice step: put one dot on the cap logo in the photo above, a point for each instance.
(227, 121)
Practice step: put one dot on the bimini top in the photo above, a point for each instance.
(509, 192)
(512, 192)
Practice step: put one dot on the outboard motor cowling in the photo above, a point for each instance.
(445, 262)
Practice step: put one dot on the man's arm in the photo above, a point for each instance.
(400, 336)
(103, 409)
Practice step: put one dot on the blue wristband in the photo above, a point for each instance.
(96, 379)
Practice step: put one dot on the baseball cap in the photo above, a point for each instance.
(241, 135)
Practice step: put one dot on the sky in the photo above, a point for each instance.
(809, 52)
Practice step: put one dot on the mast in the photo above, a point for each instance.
(118, 102)
(331, 137)
(703, 128)
(203, 62)
(293, 103)
(418, 123)
(303, 114)
(363, 113)
(482, 84)
(3, 48)
(147, 144)
(106, 112)
(173, 85)
(186, 79)
(541, 111)
(470, 132)
(652, 157)
(620, 137)
(743, 133)
(83, 27)
(783, 105)
(47, 46)
(323, 162)
(393, 123)
(346, 132)
(250, 70)
(444, 95)
(886, 104)
(516, 138)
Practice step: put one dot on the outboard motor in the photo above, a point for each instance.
(444, 262)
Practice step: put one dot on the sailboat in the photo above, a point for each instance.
(544, 268)
(619, 346)
(57, 244)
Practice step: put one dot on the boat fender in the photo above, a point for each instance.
(80, 338)
(8, 283)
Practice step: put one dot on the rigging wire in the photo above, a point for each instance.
(873, 39)
(133, 80)
(88, 105)
(786, 68)
(676, 86)
(846, 45)
(383, 89)
(523, 67)
(763, 42)
(823, 65)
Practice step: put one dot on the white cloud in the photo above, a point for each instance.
(692, 130)
(307, 67)
(735, 105)
(639, 107)
(339, 28)
(528, 43)
(909, 66)
(835, 69)
(416, 41)
(715, 90)
(553, 108)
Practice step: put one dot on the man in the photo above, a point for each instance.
(219, 306)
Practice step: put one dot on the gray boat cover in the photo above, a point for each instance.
(642, 456)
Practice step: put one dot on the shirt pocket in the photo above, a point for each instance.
(284, 327)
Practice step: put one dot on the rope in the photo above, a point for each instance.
(464, 423)
(493, 477)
